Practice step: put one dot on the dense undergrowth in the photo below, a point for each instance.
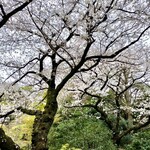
(75, 131)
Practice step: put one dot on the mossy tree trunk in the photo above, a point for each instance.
(43, 122)
(6, 143)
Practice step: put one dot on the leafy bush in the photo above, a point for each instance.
(140, 141)
(67, 147)
(80, 132)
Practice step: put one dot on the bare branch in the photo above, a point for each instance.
(23, 110)
(32, 72)
(13, 12)
(120, 50)
(136, 128)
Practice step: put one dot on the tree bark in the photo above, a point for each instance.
(116, 139)
(6, 143)
(43, 122)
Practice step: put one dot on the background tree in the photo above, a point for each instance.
(121, 97)
(5, 141)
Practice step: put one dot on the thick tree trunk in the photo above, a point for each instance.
(43, 122)
(6, 143)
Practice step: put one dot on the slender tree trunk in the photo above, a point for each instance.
(6, 143)
(116, 139)
(43, 122)
(127, 96)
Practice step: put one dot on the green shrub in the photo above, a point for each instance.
(67, 147)
(85, 133)
(140, 141)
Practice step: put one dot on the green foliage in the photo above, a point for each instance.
(27, 88)
(40, 106)
(57, 118)
(81, 132)
(67, 147)
(20, 131)
(140, 141)
(109, 97)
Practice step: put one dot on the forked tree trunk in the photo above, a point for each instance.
(43, 122)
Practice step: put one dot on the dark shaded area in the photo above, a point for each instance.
(6, 143)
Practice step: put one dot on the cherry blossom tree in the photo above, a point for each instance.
(10, 8)
(119, 95)
(54, 40)
(5, 141)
